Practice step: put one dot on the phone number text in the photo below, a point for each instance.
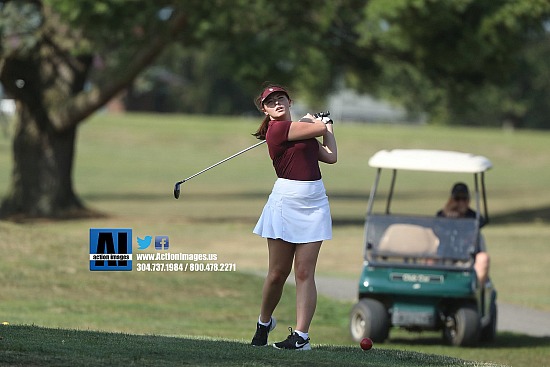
(190, 267)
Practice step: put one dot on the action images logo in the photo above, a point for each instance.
(110, 249)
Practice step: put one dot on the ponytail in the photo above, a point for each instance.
(262, 130)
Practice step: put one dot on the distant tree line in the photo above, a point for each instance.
(476, 62)
(479, 62)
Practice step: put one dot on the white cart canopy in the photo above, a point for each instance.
(430, 160)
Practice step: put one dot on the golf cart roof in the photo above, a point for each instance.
(430, 160)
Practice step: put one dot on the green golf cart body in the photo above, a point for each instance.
(418, 269)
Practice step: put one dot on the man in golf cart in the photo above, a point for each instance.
(458, 206)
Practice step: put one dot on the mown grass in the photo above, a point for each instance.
(126, 167)
(29, 345)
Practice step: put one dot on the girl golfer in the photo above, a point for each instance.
(296, 218)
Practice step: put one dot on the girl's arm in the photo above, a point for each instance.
(308, 127)
(328, 151)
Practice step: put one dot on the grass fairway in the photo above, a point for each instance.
(34, 346)
(126, 167)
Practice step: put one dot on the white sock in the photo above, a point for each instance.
(263, 323)
(302, 334)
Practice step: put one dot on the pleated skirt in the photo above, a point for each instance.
(296, 212)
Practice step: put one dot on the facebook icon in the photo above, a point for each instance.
(162, 243)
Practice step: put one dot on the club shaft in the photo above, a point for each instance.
(224, 160)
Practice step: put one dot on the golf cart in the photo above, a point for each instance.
(418, 269)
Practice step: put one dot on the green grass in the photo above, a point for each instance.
(126, 167)
(29, 345)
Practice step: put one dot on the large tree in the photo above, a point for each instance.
(63, 59)
(465, 62)
(459, 59)
(45, 63)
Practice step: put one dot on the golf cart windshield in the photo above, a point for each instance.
(433, 241)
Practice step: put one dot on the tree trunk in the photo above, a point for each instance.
(41, 181)
(46, 74)
(43, 154)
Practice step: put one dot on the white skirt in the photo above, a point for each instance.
(296, 212)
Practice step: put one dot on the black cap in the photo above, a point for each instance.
(460, 189)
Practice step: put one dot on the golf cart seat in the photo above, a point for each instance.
(408, 241)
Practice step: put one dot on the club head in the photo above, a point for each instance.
(177, 190)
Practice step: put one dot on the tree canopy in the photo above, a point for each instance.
(476, 62)
(465, 61)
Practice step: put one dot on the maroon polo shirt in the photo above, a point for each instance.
(293, 160)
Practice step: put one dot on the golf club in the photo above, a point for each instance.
(177, 185)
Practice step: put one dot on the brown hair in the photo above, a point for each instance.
(262, 130)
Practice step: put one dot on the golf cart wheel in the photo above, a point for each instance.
(369, 319)
(462, 327)
(489, 332)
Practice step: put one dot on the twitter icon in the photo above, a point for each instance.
(144, 242)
